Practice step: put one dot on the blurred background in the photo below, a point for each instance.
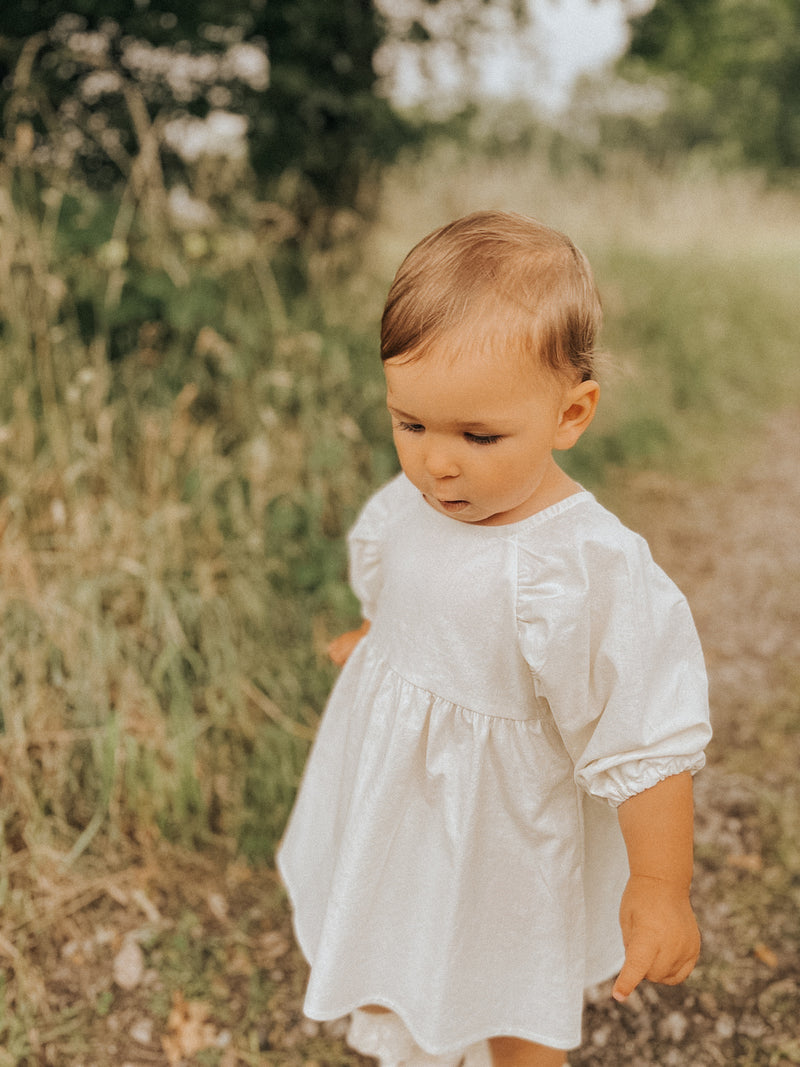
(201, 208)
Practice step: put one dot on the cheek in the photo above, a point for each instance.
(404, 446)
(400, 441)
(515, 469)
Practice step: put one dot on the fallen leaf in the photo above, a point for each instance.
(765, 955)
(748, 861)
(189, 1029)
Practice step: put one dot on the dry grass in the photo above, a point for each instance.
(697, 272)
(628, 203)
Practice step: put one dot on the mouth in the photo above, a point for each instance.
(452, 506)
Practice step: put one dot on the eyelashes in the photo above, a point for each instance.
(483, 439)
(474, 438)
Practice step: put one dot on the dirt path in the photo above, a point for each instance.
(733, 547)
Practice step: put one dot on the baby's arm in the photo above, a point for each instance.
(661, 938)
(340, 648)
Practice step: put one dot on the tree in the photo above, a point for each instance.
(299, 72)
(323, 120)
(732, 71)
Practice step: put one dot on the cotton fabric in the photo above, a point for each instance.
(454, 853)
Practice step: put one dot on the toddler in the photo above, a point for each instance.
(497, 811)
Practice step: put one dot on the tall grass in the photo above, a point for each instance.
(184, 440)
(176, 477)
(697, 272)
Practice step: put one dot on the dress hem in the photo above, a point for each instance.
(328, 1015)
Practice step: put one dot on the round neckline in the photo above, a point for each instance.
(538, 517)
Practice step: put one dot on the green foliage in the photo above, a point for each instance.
(697, 273)
(178, 466)
(324, 123)
(99, 83)
(701, 347)
(732, 70)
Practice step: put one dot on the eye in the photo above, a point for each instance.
(483, 438)
(411, 427)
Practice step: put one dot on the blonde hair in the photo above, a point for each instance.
(499, 276)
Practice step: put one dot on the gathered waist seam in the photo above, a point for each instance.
(535, 720)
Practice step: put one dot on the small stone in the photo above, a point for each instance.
(274, 945)
(337, 1027)
(635, 1002)
(142, 1031)
(218, 906)
(601, 1036)
(70, 950)
(725, 1027)
(128, 967)
(674, 1027)
(708, 1002)
(751, 1026)
(309, 1028)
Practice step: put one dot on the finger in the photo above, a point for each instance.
(639, 959)
(670, 970)
(679, 974)
(338, 651)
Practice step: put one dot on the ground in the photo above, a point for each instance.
(182, 958)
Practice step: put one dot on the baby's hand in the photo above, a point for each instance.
(340, 648)
(660, 932)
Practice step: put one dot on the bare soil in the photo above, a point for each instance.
(213, 976)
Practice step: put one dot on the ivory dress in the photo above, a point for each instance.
(454, 853)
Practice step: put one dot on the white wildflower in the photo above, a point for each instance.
(186, 74)
(187, 212)
(66, 25)
(88, 47)
(100, 83)
(220, 134)
(247, 63)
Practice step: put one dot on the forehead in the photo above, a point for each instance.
(471, 385)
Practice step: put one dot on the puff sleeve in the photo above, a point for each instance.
(365, 547)
(615, 657)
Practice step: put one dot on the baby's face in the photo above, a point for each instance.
(475, 433)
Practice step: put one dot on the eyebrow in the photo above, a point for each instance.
(466, 427)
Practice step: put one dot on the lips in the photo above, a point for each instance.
(449, 507)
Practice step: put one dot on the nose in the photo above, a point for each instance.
(440, 460)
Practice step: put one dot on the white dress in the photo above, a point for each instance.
(454, 853)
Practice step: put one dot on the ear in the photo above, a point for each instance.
(577, 411)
